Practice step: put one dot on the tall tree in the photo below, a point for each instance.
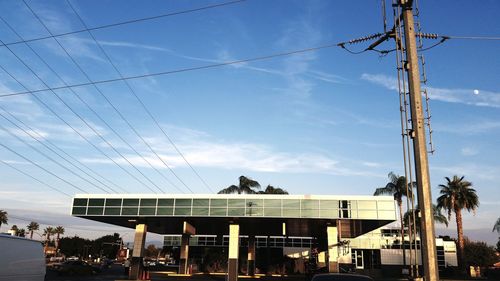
(496, 227)
(273, 190)
(58, 231)
(457, 194)
(3, 217)
(32, 227)
(47, 232)
(246, 186)
(21, 232)
(398, 187)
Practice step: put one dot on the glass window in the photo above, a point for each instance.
(238, 203)
(131, 202)
(254, 212)
(385, 205)
(96, 202)
(200, 202)
(182, 211)
(112, 211)
(218, 202)
(309, 204)
(364, 214)
(291, 203)
(164, 211)
(129, 211)
(148, 202)
(272, 212)
(294, 213)
(165, 202)
(329, 204)
(183, 202)
(147, 211)
(328, 213)
(218, 211)
(114, 202)
(308, 213)
(95, 211)
(367, 205)
(236, 211)
(80, 202)
(273, 203)
(79, 210)
(255, 203)
(200, 211)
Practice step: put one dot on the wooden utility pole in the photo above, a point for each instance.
(427, 233)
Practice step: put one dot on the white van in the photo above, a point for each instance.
(21, 259)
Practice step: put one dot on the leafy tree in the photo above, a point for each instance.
(478, 254)
(14, 229)
(246, 186)
(32, 227)
(273, 190)
(498, 245)
(398, 187)
(438, 217)
(3, 217)
(457, 194)
(151, 251)
(21, 232)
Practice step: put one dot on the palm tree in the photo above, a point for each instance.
(496, 227)
(397, 187)
(273, 190)
(59, 230)
(458, 194)
(245, 187)
(21, 232)
(32, 227)
(438, 217)
(3, 217)
(47, 232)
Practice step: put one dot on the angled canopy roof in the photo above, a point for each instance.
(257, 214)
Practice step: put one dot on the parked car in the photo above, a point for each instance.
(340, 277)
(75, 268)
(21, 259)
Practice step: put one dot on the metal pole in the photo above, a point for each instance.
(428, 242)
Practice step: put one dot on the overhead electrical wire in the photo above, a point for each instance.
(99, 91)
(32, 177)
(87, 105)
(128, 22)
(45, 154)
(108, 58)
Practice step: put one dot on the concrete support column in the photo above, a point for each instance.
(251, 256)
(183, 262)
(333, 240)
(138, 252)
(234, 247)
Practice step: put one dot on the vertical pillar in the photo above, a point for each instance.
(332, 235)
(234, 245)
(138, 252)
(183, 262)
(251, 256)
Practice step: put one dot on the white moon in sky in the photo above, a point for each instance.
(476, 92)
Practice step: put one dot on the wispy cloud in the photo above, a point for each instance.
(464, 96)
(468, 151)
(479, 126)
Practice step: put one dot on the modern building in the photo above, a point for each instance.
(327, 220)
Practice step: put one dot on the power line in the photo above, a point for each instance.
(180, 70)
(128, 22)
(44, 154)
(471, 37)
(144, 107)
(99, 91)
(32, 177)
(86, 104)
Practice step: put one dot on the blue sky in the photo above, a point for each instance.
(323, 122)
